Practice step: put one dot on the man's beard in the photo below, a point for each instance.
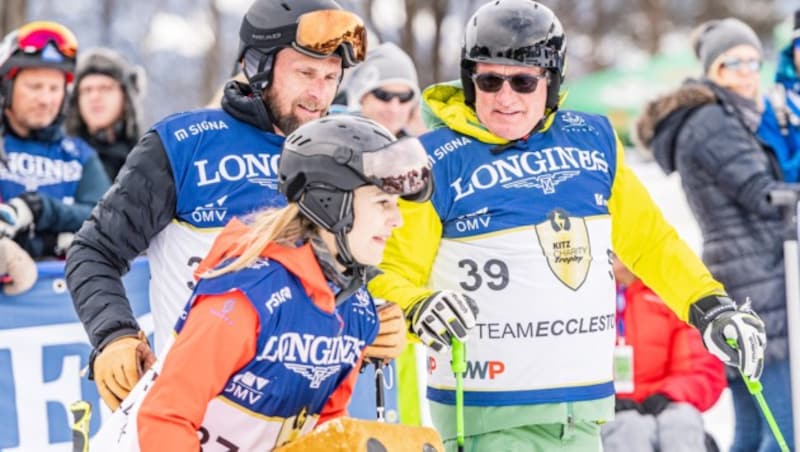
(289, 122)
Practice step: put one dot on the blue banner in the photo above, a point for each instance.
(43, 348)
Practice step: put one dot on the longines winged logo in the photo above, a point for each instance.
(546, 182)
(565, 243)
(316, 374)
(575, 123)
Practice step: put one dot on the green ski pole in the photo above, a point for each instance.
(459, 365)
(754, 387)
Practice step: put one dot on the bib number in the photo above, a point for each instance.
(494, 273)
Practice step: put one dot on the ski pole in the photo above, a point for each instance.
(755, 388)
(380, 402)
(459, 366)
(82, 413)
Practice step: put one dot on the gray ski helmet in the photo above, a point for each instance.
(517, 33)
(271, 25)
(324, 160)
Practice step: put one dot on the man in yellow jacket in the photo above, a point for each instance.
(512, 252)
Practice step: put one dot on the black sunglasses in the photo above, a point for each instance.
(387, 96)
(522, 83)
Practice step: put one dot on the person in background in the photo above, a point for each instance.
(527, 202)
(665, 379)
(385, 88)
(780, 122)
(706, 131)
(104, 108)
(49, 181)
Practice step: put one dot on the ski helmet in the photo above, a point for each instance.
(517, 33)
(317, 28)
(38, 44)
(324, 160)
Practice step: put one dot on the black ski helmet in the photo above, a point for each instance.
(518, 33)
(324, 160)
(269, 26)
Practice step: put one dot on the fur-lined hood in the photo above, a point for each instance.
(658, 126)
(690, 95)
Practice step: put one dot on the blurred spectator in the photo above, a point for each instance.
(384, 88)
(706, 131)
(674, 378)
(49, 182)
(780, 124)
(104, 108)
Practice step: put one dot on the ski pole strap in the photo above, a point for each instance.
(82, 413)
(459, 364)
(755, 388)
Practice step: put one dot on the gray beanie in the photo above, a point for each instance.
(715, 37)
(384, 64)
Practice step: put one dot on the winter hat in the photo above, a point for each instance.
(715, 37)
(385, 64)
(104, 61)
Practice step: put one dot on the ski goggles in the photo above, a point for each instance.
(387, 96)
(491, 82)
(317, 33)
(33, 38)
(402, 168)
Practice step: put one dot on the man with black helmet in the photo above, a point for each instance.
(193, 172)
(529, 203)
(49, 181)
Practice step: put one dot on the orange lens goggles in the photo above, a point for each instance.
(33, 37)
(323, 32)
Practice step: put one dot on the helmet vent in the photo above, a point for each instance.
(304, 142)
(286, 6)
(297, 138)
(325, 202)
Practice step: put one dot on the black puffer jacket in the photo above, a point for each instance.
(706, 134)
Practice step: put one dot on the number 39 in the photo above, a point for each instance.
(495, 272)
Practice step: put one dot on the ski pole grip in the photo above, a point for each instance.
(459, 356)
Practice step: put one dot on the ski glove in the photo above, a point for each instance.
(734, 335)
(391, 338)
(441, 317)
(18, 265)
(15, 215)
(119, 366)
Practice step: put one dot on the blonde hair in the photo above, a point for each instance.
(284, 226)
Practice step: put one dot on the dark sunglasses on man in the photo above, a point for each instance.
(387, 96)
(491, 82)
